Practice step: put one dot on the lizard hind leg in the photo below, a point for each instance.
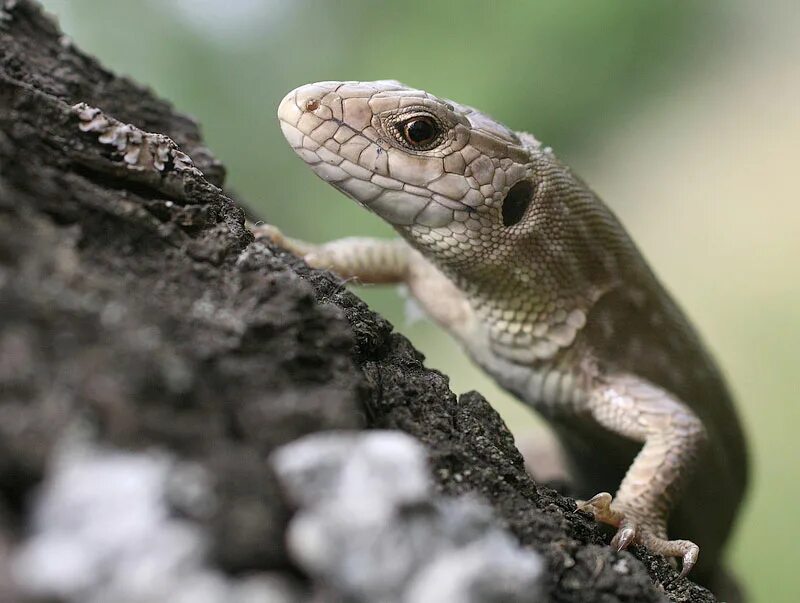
(672, 436)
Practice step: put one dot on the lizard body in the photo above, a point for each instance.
(537, 279)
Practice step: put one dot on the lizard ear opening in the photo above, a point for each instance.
(517, 200)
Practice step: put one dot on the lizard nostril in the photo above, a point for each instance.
(312, 105)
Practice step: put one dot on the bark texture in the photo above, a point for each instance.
(135, 305)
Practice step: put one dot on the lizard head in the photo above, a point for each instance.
(529, 245)
(455, 183)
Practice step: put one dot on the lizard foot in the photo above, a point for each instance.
(269, 232)
(631, 529)
(299, 248)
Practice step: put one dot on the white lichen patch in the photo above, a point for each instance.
(104, 529)
(139, 149)
(370, 526)
(6, 6)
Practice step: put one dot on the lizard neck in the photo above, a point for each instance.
(529, 313)
(529, 308)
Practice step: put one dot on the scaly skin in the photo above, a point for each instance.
(537, 279)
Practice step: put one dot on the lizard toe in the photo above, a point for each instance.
(268, 232)
(599, 505)
(635, 528)
(687, 550)
(625, 536)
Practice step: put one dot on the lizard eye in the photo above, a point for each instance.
(420, 132)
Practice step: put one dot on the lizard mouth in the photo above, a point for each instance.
(330, 126)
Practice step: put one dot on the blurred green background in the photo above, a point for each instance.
(685, 117)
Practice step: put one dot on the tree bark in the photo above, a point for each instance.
(136, 307)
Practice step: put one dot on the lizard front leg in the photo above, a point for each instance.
(365, 259)
(378, 261)
(672, 436)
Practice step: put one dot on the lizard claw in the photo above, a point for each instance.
(269, 232)
(689, 559)
(624, 538)
(307, 251)
(599, 501)
(632, 529)
(599, 505)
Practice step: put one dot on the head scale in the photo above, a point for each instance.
(451, 180)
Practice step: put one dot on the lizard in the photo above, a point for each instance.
(537, 279)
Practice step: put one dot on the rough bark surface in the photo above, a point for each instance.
(135, 303)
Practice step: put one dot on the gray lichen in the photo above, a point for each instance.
(6, 6)
(104, 529)
(370, 528)
(139, 149)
